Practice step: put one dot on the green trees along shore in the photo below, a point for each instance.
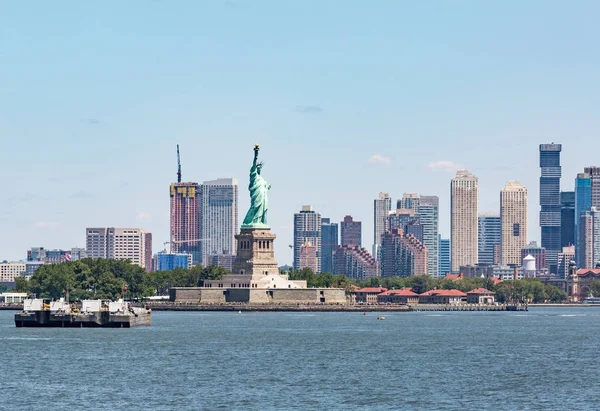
(109, 279)
(106, 279)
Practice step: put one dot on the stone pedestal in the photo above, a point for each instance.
(255, 253)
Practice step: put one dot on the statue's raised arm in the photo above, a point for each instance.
(259, 204)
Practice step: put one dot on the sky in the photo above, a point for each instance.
(346, 99)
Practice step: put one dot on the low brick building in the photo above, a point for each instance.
(367, 294)
(404, 296)
(481, 296)
(442, 297)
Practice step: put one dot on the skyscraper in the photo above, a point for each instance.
(513, 217)
(308, 257)
(583, 201)
(463, 219)
(351, 231)
(185, 220)
(402, 255)
(588, 255)
(329, 242)
(567, 218)
(381, 209)
(550, 202)
(428, 212)
(219, 217)
(444, 256)
(594, 173)
(117, 243)
(409, 201)
(307, 229)
(355, 262)
(489, 233)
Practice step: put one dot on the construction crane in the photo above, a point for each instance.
(178, 166)
(183, 242)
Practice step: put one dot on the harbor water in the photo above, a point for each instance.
(546, 358)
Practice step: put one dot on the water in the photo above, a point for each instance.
(546, 358)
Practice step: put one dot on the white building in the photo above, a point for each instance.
(463, 219)
(118, 243)
(10, 271)
(218, 217)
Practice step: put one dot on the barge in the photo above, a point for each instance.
(89, 313)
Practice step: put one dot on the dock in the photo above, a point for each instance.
(469, 307)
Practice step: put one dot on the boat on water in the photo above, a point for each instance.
(592, 300)
(38, 312)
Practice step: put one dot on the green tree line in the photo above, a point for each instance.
(105, 279)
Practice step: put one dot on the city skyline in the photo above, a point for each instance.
(102, 120)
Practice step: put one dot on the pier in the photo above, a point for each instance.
(469, 307)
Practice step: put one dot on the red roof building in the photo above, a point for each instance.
(367, 294)
(481, 296)
(442, 297)
(403, 296)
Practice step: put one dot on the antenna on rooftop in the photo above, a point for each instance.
(178, 166)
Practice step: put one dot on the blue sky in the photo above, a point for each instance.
(95, 96)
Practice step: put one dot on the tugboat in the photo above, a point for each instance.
(89, 313)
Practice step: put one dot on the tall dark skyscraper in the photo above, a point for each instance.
(351, 231)
(489, 236)
(550, 213)
(567, 218)
(329, 242)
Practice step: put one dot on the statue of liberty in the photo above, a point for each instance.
(259, 203)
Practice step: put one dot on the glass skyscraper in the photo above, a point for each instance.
(567, 218)
(444, 256)
(489, 229)
(550, 212)
(307, 232)
(583, 201)
(428, 212)
(329, 242)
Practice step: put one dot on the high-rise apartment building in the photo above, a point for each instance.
(583, 201)
(550, 202)
(463, 219)
(351, 231)
(117, 243)
(594, 173)
(567, 218)
(355, 262)
(329, 242)
(564, 259)
(400, 218)
(402, 255)
(381, 210)
(185, 220)
(307, 229)
(309, 257)
(513, 217)
(444, 257)
(588, 255)
(148, 256)
(409, 201)
(428, 212)
(489, 237)
(218, 217)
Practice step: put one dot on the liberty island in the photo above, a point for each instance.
(255, 276)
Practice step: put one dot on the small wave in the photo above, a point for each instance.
(27, 338)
